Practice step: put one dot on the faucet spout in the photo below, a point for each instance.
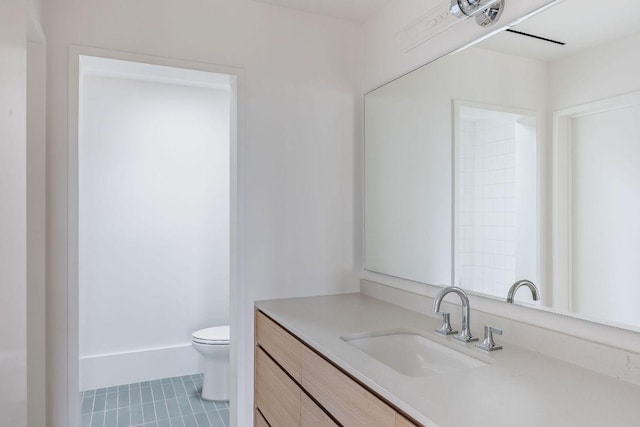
(520, 283)
(465, 332)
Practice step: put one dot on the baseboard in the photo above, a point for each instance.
(125, 368)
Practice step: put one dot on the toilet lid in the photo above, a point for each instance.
(215, 335)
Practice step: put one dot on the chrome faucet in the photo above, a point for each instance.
(465, 333)
(514, 288)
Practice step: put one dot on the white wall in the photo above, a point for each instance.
(13, 214)
(36, 208)
(616, 74)
(154, 225)
(299, 119)
(35, 11)
(409, 155)
(36, 215)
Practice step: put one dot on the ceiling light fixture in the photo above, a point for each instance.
(486, 12)
(446, 14)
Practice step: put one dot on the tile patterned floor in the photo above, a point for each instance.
(170, 402)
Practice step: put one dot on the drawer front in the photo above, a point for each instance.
(260, 421)
(403, 422)
(348, 402)
(277, 396)
(281, 345)
(313, 416)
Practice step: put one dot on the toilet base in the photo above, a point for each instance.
(215, 383)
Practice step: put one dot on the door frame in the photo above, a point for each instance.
(562, 281)
(237, 291)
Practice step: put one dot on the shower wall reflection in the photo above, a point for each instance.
(496, 217)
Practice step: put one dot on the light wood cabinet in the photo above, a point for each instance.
(281, 345)
(277, 396)
(346, 400)
(291, 377)
(403, 422)
(260, 421)
(313, 416)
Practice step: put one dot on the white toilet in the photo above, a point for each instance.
(213, 344)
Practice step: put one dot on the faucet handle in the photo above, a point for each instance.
(488, 344)
(446, 328)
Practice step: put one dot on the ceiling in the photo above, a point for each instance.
(354, 10)
(580, 24)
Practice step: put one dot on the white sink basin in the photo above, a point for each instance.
(412, 354)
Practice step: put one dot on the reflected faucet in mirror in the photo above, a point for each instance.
(465, 333)
(520, 283)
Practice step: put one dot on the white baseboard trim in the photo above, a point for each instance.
(108, 370)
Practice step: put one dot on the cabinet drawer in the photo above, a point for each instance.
(403, 422)
(348, 402)
(313, 416)
(260, 421)
(281, 345)
(277, 396)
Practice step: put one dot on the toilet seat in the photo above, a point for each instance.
(218, 335)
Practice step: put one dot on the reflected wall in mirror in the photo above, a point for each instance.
(496, 209)
(535, 142)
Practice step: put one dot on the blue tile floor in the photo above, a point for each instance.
(169, 402)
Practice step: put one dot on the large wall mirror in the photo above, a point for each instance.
(516, 158)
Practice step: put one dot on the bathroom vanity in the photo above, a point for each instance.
(297, 386)
(308, 373)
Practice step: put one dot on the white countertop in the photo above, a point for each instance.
(518, 388)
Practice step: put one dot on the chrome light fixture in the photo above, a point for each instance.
(445, 15)
(486, 12)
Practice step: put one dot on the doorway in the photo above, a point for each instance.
(156, 192)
